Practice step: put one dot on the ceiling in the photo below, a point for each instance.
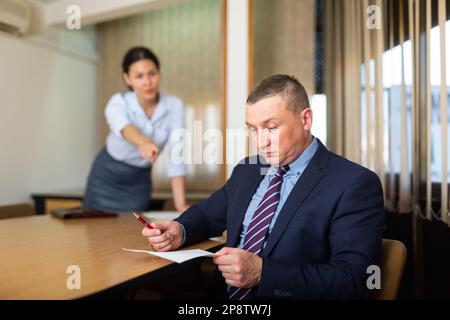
(46, 1)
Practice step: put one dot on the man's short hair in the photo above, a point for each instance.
(286, 86)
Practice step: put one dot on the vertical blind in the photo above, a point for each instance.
(387, 90)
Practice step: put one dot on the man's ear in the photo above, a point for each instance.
(307, 118)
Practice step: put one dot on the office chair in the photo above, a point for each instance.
(393, 257)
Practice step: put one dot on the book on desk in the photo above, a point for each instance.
(81, 213)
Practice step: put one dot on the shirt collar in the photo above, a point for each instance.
(299, 164)
(160, 110)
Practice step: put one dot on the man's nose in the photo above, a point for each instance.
(263, 139)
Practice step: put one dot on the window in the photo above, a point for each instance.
(392, 82)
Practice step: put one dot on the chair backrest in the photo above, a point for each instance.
(16, 210)
(393, 258)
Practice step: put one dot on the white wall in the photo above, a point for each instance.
(48, 122)
(237, 80)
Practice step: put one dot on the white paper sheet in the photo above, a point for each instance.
(176, 256)
(161, 215)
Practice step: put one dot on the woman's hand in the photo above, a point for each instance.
(179, 196)
(148, 149)
(182, 208)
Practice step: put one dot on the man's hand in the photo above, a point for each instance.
(240, 268)
(148, 149)
(167, 235)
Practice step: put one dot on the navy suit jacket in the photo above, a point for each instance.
(326, 235)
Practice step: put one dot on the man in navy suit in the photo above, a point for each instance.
(305, 224)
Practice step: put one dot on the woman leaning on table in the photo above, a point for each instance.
(141, 122)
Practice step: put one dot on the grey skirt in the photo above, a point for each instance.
(116, 186)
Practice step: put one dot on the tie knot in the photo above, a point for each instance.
(282, 170)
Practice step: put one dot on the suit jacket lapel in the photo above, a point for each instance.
(250, 184)
(305, 184)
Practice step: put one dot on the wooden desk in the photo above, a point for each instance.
(44, 202)
(36, 251)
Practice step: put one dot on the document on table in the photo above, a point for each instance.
(176, 256)
(161, 215)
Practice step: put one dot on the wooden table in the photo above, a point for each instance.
(36, 252)
(44, 202)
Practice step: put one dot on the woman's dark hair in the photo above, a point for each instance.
(136, 54)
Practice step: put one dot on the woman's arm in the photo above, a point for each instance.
(178, 191)
(120, 124)
(134, 135)
(147, 147)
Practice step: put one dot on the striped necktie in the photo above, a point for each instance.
(257, 229)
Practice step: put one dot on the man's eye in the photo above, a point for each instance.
(273, 129)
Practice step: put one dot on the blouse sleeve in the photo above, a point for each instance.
(116, 114)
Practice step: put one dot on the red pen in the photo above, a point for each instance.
(141, 220)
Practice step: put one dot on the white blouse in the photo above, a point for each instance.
(124, 108)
